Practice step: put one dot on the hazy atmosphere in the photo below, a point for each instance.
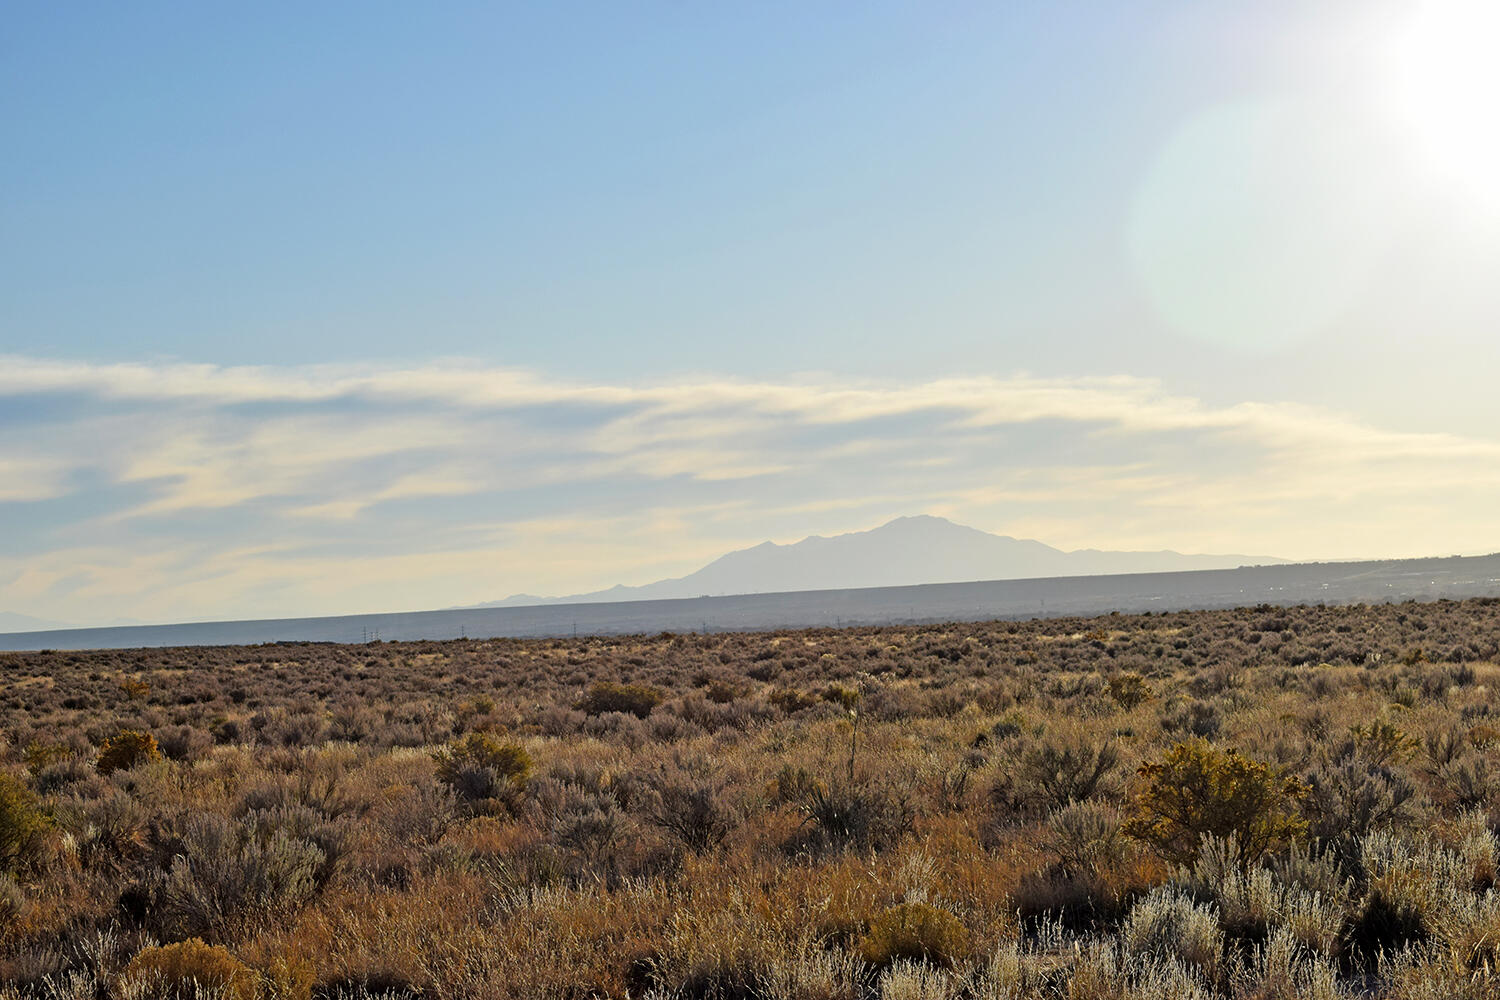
(343, 308)
(750, 501)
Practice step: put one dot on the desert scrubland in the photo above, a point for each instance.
(1259, 803)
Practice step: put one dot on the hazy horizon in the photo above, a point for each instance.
(336, 309)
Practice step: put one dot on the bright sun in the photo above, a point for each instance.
(1448, 90)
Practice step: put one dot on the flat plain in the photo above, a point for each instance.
(1247, 803)
(1371, 582)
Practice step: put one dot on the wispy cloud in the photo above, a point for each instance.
(173, 490)
(31, 477)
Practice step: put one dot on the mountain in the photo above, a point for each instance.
(10, 621)
(908, 550)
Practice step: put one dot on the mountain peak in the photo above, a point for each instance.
(920, 521)
(914, 549)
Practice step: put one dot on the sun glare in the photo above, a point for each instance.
(1447, 86)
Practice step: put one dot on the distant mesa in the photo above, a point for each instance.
(903, 552)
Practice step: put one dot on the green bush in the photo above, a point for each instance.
(189, 970)
(509, 760)
(23, 824)
(607, 696)
(915, 931)
(1198, 790)
(125, 750)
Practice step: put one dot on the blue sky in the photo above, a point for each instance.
(663, 186)
(342, 307)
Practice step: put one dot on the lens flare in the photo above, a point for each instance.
(1258, 224)
(1447, 86)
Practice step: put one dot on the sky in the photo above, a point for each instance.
(335, 308)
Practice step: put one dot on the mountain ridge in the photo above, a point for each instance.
(915, 549)
(14, 621)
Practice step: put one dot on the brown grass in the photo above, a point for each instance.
(768, 815)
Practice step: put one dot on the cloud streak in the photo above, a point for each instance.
(176, 491)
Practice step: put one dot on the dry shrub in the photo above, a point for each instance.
(1087, 884)
(185, 743)
(1048, 773)
(1473, 939)
(814, 973)
(916, 981)
(1168, 924)
(39, 756)
(838, 814)
(591, 826)
(109, 831)
(722, 691)
(692, 810)
(1408, 893)
(1249, 899)
(1087, 838)
(1469, 782)
(288, 978)
(1281, 969)
(1349, 794)
(1191, 717)
(14, 905)
(790, 700)
(232, 874)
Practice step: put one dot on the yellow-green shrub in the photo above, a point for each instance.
(1197, 790)
(1129, 689)
(915, 931)
(23, 824)
(126, 749)
(607, 696)
(288, 978)
(483, 771)
(187, 970)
